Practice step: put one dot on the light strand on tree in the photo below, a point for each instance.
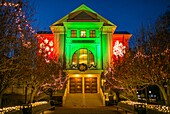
(18, 21)
(139, 54)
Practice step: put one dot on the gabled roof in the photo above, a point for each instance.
(83, 13)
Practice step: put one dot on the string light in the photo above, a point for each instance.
(139, 54)
(60, 81)
(159, 108)
(5, 110)
(20, 15)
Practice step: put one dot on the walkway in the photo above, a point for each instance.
(94, 110)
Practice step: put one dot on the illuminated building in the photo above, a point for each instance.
(88, 42)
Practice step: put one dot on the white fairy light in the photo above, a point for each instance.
(19, 15)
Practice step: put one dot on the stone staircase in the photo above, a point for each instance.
(83, 100)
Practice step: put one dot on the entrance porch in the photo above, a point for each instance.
(84, 89)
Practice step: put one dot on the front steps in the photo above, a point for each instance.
(83, 100)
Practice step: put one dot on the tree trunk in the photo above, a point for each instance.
(168, 92)
(33, 94)
(162, 89)
(1, 99)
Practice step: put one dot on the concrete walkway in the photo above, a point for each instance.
(94, 110)
(83, 100)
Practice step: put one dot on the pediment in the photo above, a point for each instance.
(82, 16)
(83, 13)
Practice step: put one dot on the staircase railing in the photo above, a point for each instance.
(64, 97)
(102, 96)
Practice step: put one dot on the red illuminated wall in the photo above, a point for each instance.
(46, 46)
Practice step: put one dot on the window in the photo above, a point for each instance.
(83, 33)
(92, 33)
(91, 58)
(83, 56)
(73, 33)
(74, 59)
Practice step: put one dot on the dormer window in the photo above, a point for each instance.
(83, 33)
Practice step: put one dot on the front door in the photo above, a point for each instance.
(90, 84)
(76, 85)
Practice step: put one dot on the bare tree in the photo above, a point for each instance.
(16, 39)
(148, 63)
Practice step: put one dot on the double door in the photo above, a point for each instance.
(86, 84)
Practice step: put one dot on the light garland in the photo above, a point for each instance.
(60, 82)
(16, 108)
(39, 103)
(139, 54)
(160, 108)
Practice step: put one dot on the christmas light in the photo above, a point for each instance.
(118, 49)
(5, 110)
(46, 41)
(139, 54)
(46, 46)
(159, 108)
(51, 43)
(52, 49)
(42, 45)
(21, 18)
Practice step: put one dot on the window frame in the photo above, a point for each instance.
(92, 33)
(76, 57)
(73, 33)
(83, 35)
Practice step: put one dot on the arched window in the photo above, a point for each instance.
(83, 56)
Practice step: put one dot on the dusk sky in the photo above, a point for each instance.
(128, 15)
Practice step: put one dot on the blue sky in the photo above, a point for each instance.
(128, 15)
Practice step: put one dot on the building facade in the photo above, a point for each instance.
(86, 43)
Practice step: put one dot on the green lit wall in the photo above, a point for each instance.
(92, 44)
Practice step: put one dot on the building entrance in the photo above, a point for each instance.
(86, 84)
